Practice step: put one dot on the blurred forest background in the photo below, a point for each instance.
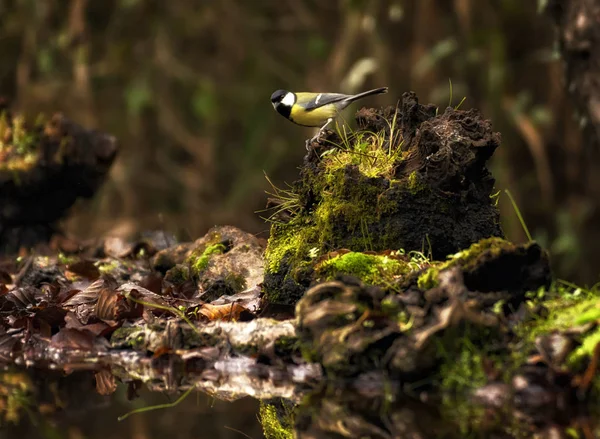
(185, 86)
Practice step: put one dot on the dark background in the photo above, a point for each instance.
(185, 86)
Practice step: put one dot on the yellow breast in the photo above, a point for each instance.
(313, 118)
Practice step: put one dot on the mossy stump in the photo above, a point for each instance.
(408, 178)
(44, 168)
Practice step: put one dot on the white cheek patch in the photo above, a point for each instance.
(289, 99)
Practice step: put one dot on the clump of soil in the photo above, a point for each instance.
(408, 178)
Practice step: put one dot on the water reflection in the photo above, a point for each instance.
(38, 403)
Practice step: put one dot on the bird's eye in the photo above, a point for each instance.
(277, 96)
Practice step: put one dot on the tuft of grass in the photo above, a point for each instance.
(288, 201)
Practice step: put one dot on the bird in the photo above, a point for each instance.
(315, 109)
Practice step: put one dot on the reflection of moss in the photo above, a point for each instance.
(275, 425)
(199, 261)
(371, 269)
(16, 396)
(18, 144)
(129, 337)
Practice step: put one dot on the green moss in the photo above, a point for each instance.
(466, 258)
(66, 260)
(368, 151)
(357, 204)
(199, 261)
(428, 279)
(462, 369)
(289, 240)
(17, 397)
(274, 426)
(178, 274)
(128, 337)
(371, 269)
(107, 267)
(461, 352)
(286, 346)
(567, 309)
(18, 144)
(415, 183)
(586, 350)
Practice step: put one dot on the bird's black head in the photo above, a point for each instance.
(283, 101)
(278, 96)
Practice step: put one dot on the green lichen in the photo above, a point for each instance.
(199, 261)
(276, 426)
(371, 269)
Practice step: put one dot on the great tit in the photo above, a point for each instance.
(315, 109)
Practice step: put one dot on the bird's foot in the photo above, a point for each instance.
(314, 138)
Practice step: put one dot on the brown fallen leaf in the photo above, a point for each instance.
(249, 299)
(228, 312)
(106, 306)
(105, 382)
(97, 329)
(84, 268)
(117, 247)
(73, 339)
(89, 294)
(5, 278)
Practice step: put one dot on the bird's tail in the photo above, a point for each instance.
(364, 94)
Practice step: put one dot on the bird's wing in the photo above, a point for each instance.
(311, 101)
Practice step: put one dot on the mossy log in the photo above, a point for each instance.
(408, 178)
(352, 328)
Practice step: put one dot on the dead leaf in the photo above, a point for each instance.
(152, 282)
(25, 297)
(228, 312)
(5, 278)
(106, 307)
(97, 329)
(84, 268)
(88, 295)
(118, 247)
(73, 339)
(105, 382)
(249, 299)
